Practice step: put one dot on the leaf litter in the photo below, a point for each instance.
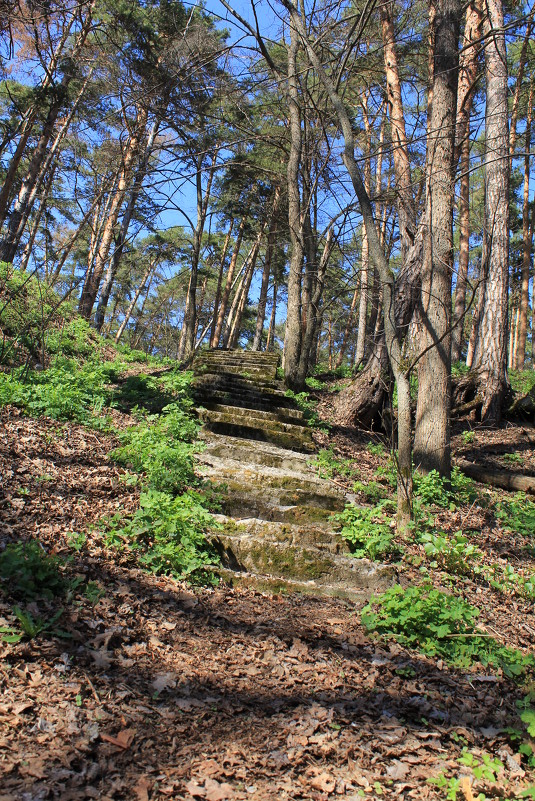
(161, 692)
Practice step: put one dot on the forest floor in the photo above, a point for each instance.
(163, 691)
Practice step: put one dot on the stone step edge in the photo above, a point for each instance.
(261, 582)
(214, 416)
(261, 414)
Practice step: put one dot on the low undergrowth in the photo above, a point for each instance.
(438, 624)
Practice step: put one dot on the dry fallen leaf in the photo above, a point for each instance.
(141, 789)
(123, 740)
(466, 788)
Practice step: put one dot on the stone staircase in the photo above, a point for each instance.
(275, 528)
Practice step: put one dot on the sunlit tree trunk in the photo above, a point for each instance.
(228, 283)
(490, 357)
(520, 355)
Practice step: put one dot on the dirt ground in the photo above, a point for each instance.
(167, 692)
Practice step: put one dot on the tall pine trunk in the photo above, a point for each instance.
(490, 357)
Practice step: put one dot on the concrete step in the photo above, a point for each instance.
(258, 357)
(298, 441)
(247, 452)
(260, 417)
(251, 554)
(321, 537)
(241, 383)
(247, 401)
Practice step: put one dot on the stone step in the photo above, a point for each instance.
(241, 383)
(254, 419)
(255, 453)
(247, 401)
(356, 597)
(321, 537)
(297, 441)
(260, 417)
(271, 486)
(251, 554)
(259, 357)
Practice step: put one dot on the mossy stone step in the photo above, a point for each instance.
(255, 419)
(247, 553)
(321, 537)
(272, 489)
(255, 453)
(246, 401)
(286, 417)
(247, 370)
(239, 382)
(274, 585)
(292, 441)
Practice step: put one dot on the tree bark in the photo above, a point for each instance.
(228, 283)
(464, 254)
(92, 285)
(262, 299)
(432, 435)
(292, 338)
(133, 302)
(491, 346)
(115, 261)
(522, 329)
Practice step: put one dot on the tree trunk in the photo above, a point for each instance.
(133, 302)
(526, 243)
(292, 338)
(91, 287)
(234, 332)
(314, 310)
(217, 298)
(115, 262)
(491, 347)
(432, 436)
(228, 283)
(464, 254)
(262, 299)
(272, 318)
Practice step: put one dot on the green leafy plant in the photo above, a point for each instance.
(169, 534)
(31, 626)
(512, 458)
(161, 448)
(27, 572)
(328, 464)
(371, 490)
(367, 529)
(455, 554)
(439, 624)
(432, 489)
(517, 515)
(307, 405)
(468, 437)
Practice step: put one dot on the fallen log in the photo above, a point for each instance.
(457, 411)
(497, 478)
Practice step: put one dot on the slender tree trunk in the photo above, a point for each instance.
(526, 242)
(217, 298)
(37, 221)
(292, 338)
(433, 411)
(491, 347)
(115, 261)
(90, 290)
(520, 77)
(234, 332)
(347, 329)
(262, 300)
(464, 254)
(405, 203)
(314, 309)
(133, 302)
(271, 330)
(187, 339)
(228, 283)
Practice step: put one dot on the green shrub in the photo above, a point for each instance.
(169, 534)
(367, 529)
(441, 625)
(455, 554)
(328, 464)
(517, 515)
(27, 572)
(161, 448)
(432, 489)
